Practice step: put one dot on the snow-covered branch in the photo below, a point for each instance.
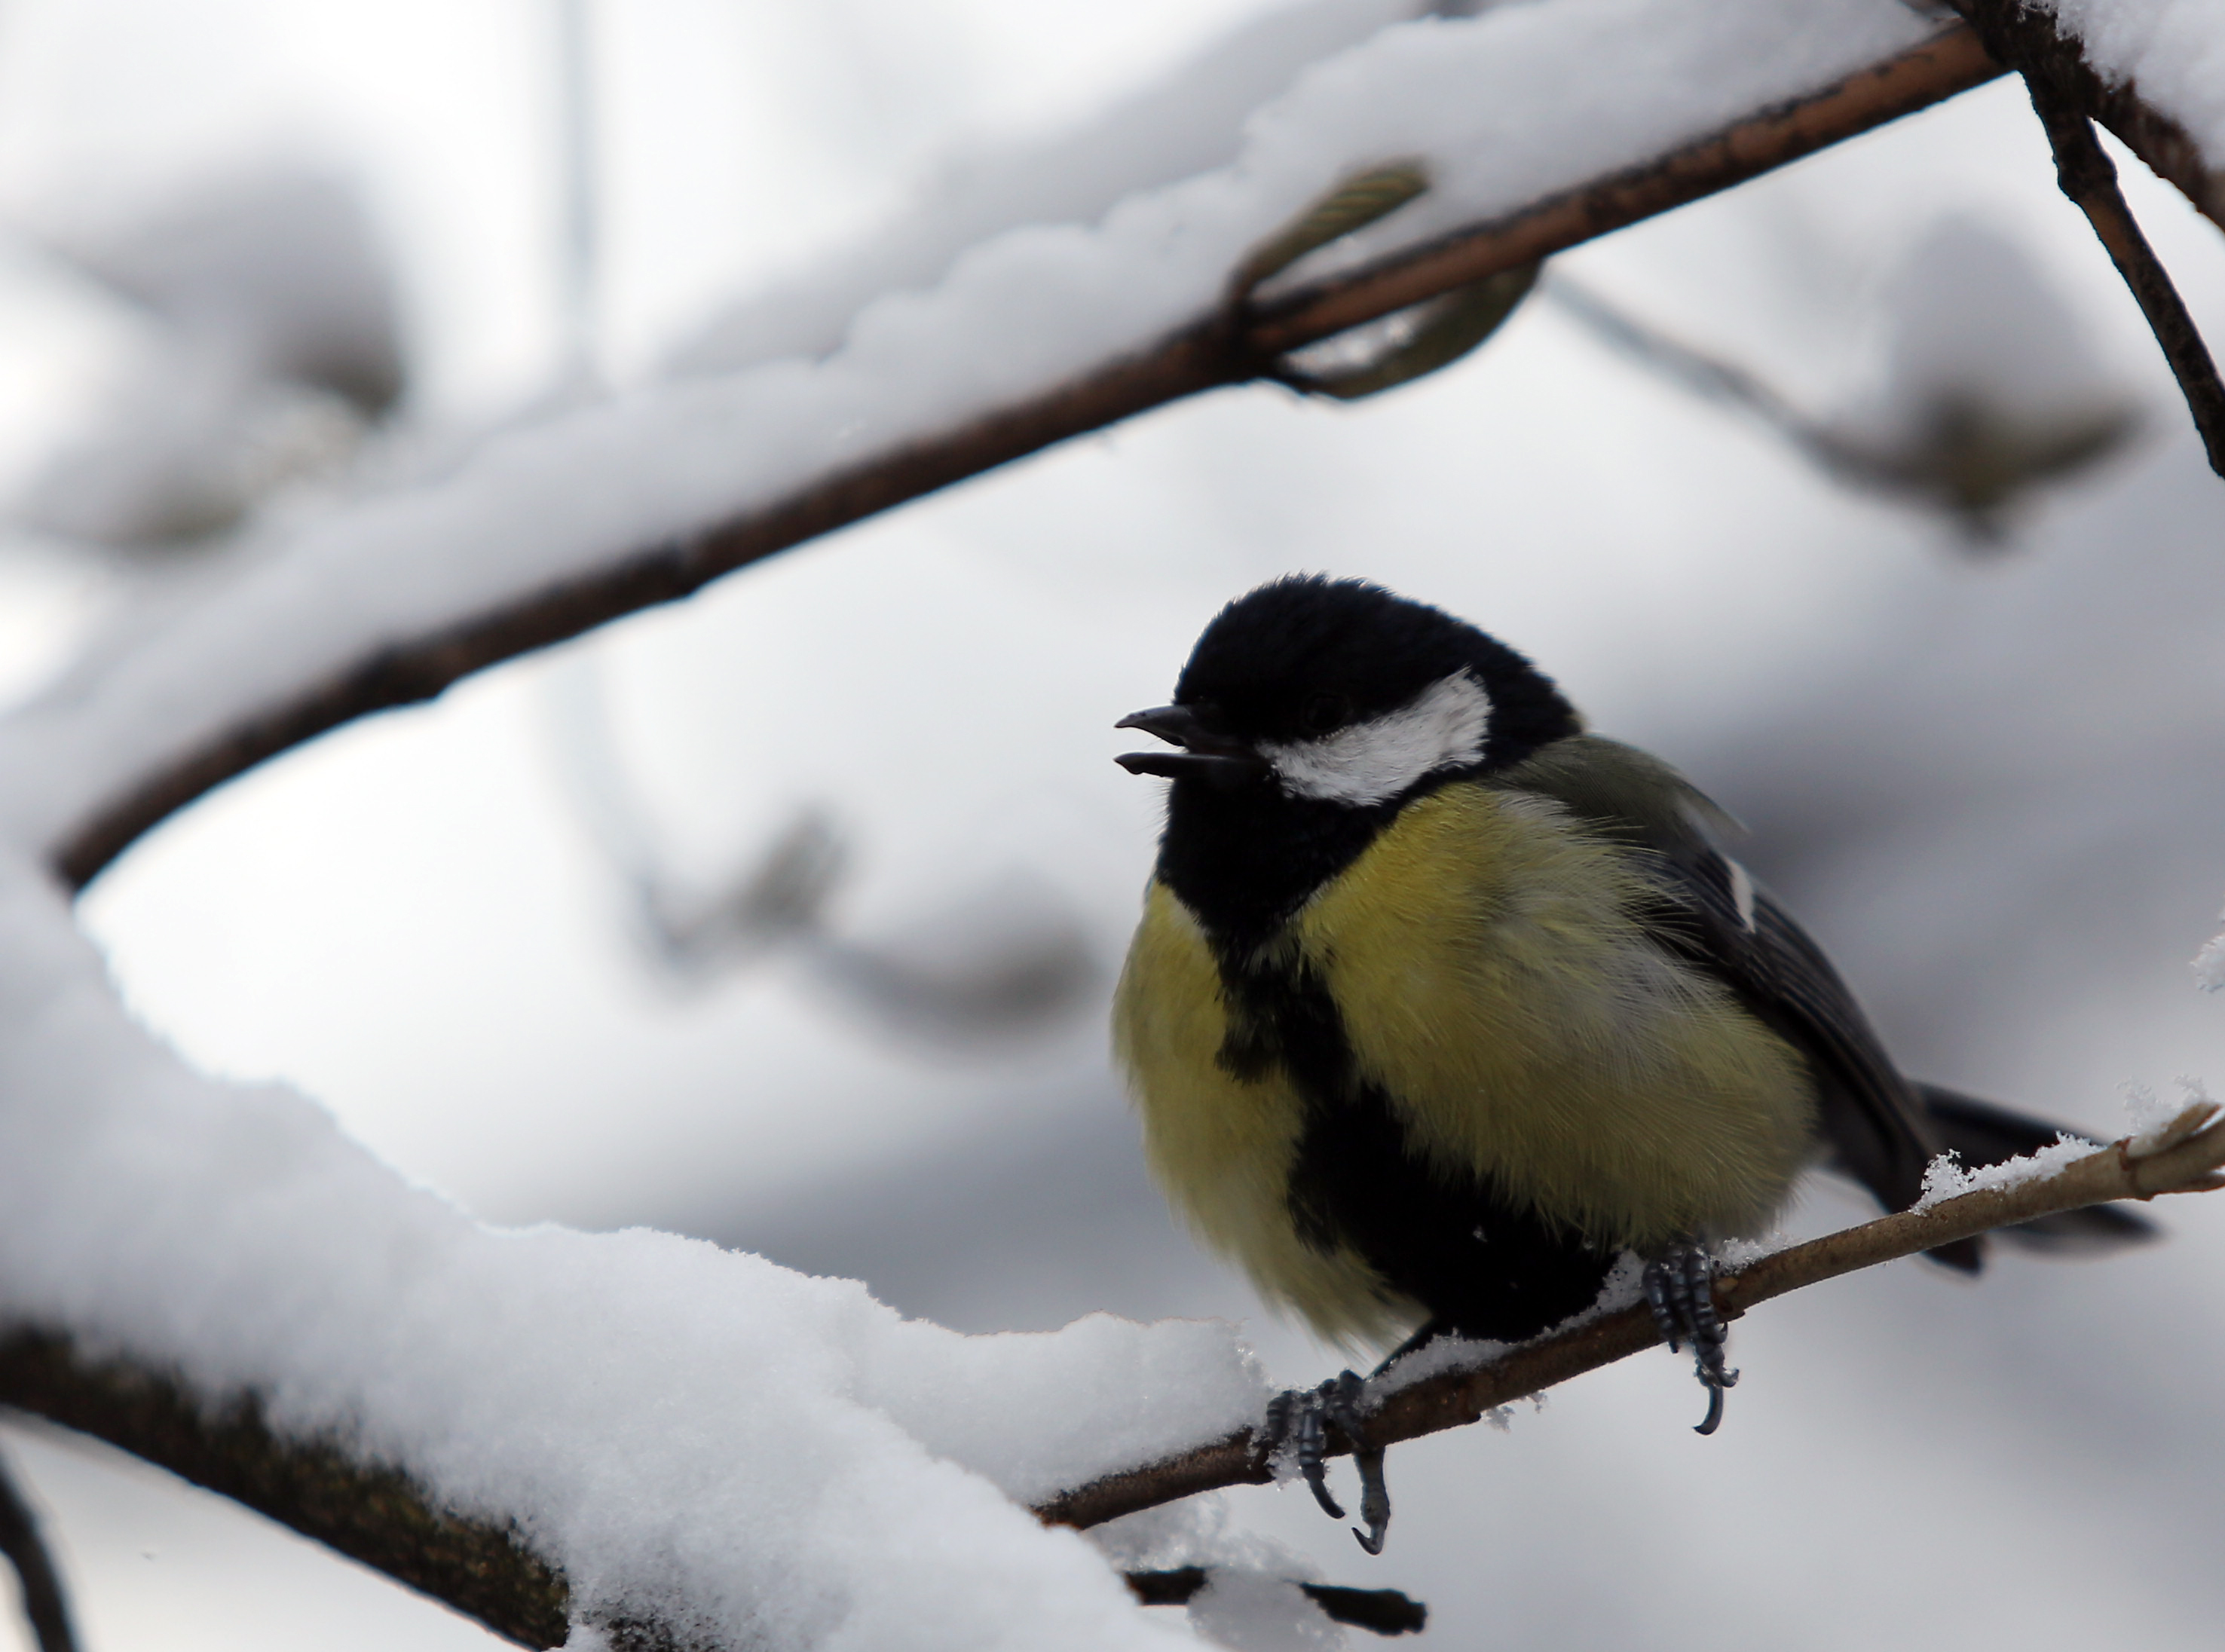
(332, 1488)
(831, 470)
(2068, 96)
(1232, 339)
(2140, 70)
(370, 1513)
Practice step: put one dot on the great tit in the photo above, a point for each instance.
(1439, 1005)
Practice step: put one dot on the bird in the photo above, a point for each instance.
(1440, 1005)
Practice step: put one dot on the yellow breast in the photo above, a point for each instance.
(1221, 1147)
(1493, 981)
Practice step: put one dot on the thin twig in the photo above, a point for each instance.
(1451, 1399)
(1965, 456)
(1212, 351)
(2067, 95)
(2088, 177)
(2026, 38)
(1698, 371)
(44, 1605)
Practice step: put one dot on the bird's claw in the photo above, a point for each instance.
(1680, 1289)
(1302, 1419)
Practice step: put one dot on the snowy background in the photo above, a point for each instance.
(1988, 776)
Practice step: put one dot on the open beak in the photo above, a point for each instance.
(1204, 755)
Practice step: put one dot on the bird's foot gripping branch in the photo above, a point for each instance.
(2185, 1156)
(1679, 1291)
(1301, 1421)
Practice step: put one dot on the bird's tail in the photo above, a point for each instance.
(1980, 1133)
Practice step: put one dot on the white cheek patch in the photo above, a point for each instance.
(1444, 727)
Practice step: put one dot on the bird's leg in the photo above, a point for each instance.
(1302, 1418)
(1680, 1289)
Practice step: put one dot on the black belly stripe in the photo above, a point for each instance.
(1481, 1264)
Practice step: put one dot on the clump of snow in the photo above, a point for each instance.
(2147, 1110)
(1731, 1255)
(1946, 1178)
(1623, 1287)
(1188, 122)
(690, 1433)
(2173, 49)
(2208, 965)
(2157, 1123)
(1435, 1359)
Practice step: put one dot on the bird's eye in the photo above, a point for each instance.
(1322, 713)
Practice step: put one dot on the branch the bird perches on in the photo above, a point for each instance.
(2183, 1156)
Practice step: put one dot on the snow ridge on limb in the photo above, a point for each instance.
(213, 1276)
(2157, 68)
(557, 529)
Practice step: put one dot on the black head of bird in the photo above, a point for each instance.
(1342, 693)
(1440, 1005)
(1310, 711)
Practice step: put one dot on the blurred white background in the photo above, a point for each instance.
(1987, 775)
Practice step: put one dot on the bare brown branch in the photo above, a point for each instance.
(2089, 178)
(2024, 38)
(1214, 350)
(2068, 97)
(2184, 1163)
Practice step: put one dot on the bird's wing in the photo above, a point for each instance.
(1711, 914)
